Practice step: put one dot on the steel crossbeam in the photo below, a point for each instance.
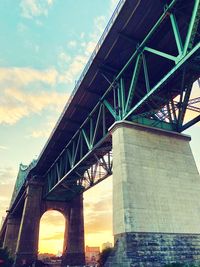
(136, 92)
(159, 104)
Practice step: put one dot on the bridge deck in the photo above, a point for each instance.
(132, 24)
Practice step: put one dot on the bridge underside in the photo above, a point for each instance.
(143, 72)
(150, 82)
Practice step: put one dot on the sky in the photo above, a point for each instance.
(44, 47)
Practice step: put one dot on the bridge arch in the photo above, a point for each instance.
(53, 232)
(62, 208)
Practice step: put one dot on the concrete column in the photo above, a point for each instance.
(11, 234)
(156, 189)
(27, 244)
(66, 235)
(75, 250)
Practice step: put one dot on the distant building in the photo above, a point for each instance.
(45, 256)
(92, 255)
(106, 245)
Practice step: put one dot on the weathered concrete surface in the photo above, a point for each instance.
(27, 244)
(11, 235)
(156, 189)
(75, 250)
(154, 249)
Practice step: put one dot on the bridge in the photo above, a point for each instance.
(125, 118)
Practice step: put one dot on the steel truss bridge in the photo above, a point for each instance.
(142, 70)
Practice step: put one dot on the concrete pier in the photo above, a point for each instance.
(74, 255)
(156, 189)
(11, 235)
(27, 245)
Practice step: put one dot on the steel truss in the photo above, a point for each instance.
(161, 104)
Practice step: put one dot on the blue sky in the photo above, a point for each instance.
(44, 47)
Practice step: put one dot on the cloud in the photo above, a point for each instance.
(63, 57)
(72, 44)
(73, 69)
(99, 26)
(22, 28)
(78, 63)
(46, 128)
(16, 104)
(7, 180)
(56, 236)
(89, 47)
(113, 4)
(98, 210)
(99, 216)
(52, 226)
(53, 217)
(7, 176)
(40, 133)
(3, 147)
(25, 76)
(35, 8)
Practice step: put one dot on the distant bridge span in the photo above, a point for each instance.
(141, 72)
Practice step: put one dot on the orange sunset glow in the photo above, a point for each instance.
(97, 218)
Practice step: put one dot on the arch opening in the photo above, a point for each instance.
(51, 235)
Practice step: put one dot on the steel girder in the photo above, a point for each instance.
(162, 104)
(22, 175)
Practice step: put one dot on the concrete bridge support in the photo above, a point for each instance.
(156, 198)
(74, 255)
(27, 244)
(22, 234)
(11, 234)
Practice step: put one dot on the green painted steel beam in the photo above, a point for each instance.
(184, 104)
(71, 170)
(154, 123)
(97, 124)
(149, 35)
(177, 35)
(146, 75)
(86, 139)
(122, 88)
(163, 80)
(160, 53)
(110, 108)
(119, 99)
(191, 26)
(133, 82)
